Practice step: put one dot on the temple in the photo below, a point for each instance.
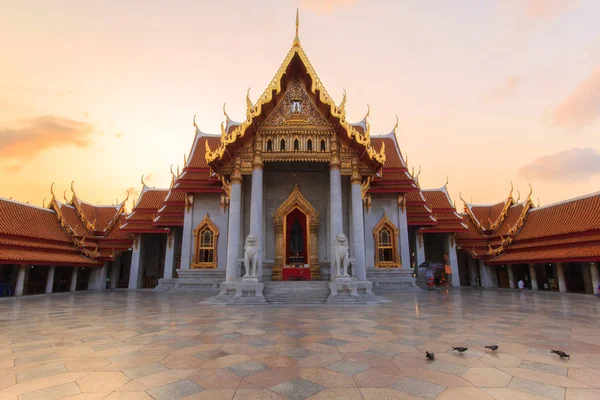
(296, 197)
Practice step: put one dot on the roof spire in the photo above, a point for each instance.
(297, 38)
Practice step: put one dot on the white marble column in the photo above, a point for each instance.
(20, 285)
(115, 272)
(420, 256)
(256, 202)
(188, 228)
(595, 277)
(511, 277)
(50, 279)
(489, 278)
(74, 274)
(172, 239)
(136, 270)
(533, 277)
(98, 277)
(560, 275)
(403, 228)
(235, 221)
(452, 259)
(473, 271)
(358, 229)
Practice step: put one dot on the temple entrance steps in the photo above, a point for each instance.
(296, 292)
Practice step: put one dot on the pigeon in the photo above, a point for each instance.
(561, 354)
(460, 349)
(493, 347)
(430, 356)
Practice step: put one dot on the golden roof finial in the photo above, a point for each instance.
(297, 38)
(185, 158)
(196, 126)
(73, 189)
(460, 196)
(225, 112)
(396, 126)
(417, 177)
(518, 195)
(446, 184)
(530, 191)
(51, 190)
(65, 196)
(143, 184)
(178, 171)
(368, 111)
(126, 198)
(249, 104)
(538, 199)
(44, 203)
(511, 189)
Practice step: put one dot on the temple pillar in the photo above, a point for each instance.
(511, 277)
(336, 222)
(595, 277)
(420, 256)
(186, 241)
(170, 254)
(20, 285)
(98, 278)
(533, 277)
(403, 228)
(473, 271)
(50, 279)
(235, 221)
(560, 276)
(74, 274)
(136, 270)
(358, 231)
(452, 259)
(489, 279)
(256, 203)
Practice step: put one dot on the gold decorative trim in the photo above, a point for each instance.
(296, 200)
(274, 87)
(385, 222)
(206, 222)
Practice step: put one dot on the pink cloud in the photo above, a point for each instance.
(575, 164)
(34, 135)
(582, 106)
(507, 88)
(325, 6)
(539, 9)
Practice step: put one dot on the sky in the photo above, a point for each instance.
(486, 91)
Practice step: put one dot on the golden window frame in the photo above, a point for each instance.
(394, 232)
(206, 223)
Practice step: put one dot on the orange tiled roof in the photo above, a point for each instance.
(444, 213)
(581, 253)
(145, 211)
(33, 235)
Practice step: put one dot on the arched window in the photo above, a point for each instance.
(205, 244)
(282, 145)
(269, 145)
(385, 234)
(309, 145)
(322, 144)
(296, 145)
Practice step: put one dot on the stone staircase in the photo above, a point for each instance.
(296, 292)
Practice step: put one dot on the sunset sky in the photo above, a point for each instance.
(486, 91)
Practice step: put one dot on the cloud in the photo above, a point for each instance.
(541, 9)
(34, 135)
(325, 6)
(575, 164)
(582, 106)
(507, 88)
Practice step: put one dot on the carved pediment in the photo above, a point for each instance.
(296, 108)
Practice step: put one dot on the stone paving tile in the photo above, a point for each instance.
(297, 353)
(175, 390)
(542, 389)
(102, 382)
(55, 392)
(447, 367)
(542, 367)
(347, 367)
(334, 342)
(297, 389)
(247, 368)
(144, 370)
(212, 354)
(418, 388)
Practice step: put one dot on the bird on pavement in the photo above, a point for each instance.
(561, 354)
(460, 349)
(493, 347)
(430, 356)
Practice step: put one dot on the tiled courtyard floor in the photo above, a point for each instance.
(142, 345)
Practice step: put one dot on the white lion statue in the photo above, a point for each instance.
(251, 255)
(339, 259)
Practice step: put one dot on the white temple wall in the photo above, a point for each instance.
(380, 203)
(211, 203)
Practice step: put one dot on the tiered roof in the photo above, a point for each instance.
(33, 235)
(568, 231)
(444, 212)
(395, 177)
(145, 211)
